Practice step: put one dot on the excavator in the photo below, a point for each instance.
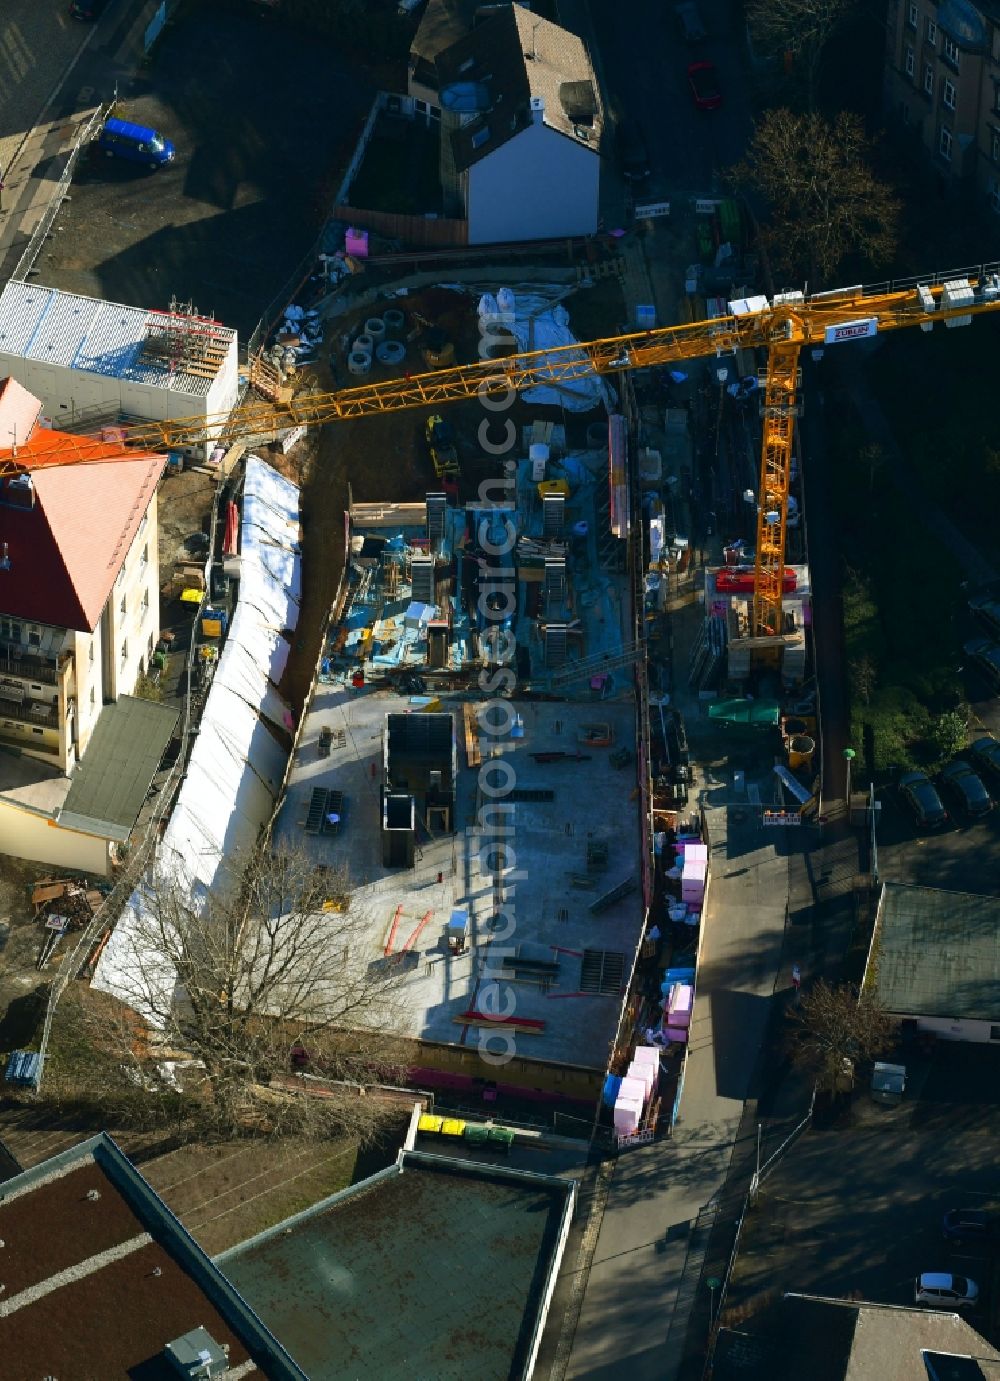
(784, 325)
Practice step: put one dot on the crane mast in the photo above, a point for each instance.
(782, 326)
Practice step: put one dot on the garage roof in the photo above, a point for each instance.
(937, 953)
(112, 780)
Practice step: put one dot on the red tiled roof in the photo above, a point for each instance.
(65, 553)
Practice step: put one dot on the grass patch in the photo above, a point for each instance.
(901, 593)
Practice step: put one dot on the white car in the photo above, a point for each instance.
(943, 1291)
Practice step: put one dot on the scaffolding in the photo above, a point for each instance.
(182, 342)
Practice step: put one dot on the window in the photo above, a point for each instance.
(910, 62)
(121, 606)
(929, 78)
(93, 700)
(149, 645)
(944, 144)
(142, 525)
(144, 558)
(995, 195)
(91, 655)
(145, 604)
(913, 14)
(995, 146)
(931, 32)
(995, 1033)
(948, 95)
(34, 636)
(124, 651)
(950, 51)
(904, 111)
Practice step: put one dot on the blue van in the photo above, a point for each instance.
(137, 143)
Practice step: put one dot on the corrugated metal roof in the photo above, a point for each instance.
(85, 333)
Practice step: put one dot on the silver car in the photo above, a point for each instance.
(941, 1290)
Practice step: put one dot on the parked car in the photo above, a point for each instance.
(920, 797)
(87, 9)
(738, 580)
(985, 753)
(960, 783)
(987, 610)
(703, 79)
(943, 1291)
(633, 151)
(135, 143)
(970, 1225)
(690, 21)
(985, 656)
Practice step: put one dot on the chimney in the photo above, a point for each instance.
(537, 110)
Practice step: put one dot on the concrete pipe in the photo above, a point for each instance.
(394, 323)
(364, 343)
(390, 352)
(375, 327)
(359, 362)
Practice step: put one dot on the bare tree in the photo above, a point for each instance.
(800, 27)
(831, 1024)
(824, 202)
(243, 977)
(864, 677)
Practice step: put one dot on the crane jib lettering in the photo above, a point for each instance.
(851, 330)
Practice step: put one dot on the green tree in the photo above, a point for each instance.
(949, 733)
(823, 200)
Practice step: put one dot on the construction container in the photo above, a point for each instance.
(430, 1123)
(476, 1134)
(538, 454)
(500, 1136)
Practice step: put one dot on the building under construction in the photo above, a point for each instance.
(93, 363)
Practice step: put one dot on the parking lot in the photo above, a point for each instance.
(264, 118)
(859, 1207)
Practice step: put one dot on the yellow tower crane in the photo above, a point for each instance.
(783, 326)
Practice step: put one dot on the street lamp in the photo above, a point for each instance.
(713, 1283)
(849, 756)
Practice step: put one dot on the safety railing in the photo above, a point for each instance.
(41, 231)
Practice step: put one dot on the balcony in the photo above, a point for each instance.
(29, 666)
(34, 712)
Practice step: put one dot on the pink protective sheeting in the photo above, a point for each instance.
(356, 242)
(647, 1055)
(679, 1004)
(628, 1113)
(643, 1074)
(633, 1088)
(677, 1035)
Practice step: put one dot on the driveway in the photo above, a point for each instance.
(264, 118)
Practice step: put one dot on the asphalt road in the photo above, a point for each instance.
(264, 118)
(688, 148)
(38, 41)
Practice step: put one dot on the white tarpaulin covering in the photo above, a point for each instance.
(537, 326)
(236, 766)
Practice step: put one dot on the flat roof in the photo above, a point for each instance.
(938, 953)
(433, 1267)
(99, 1277)
(407, 910)
(114, 775)
(53, 327)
